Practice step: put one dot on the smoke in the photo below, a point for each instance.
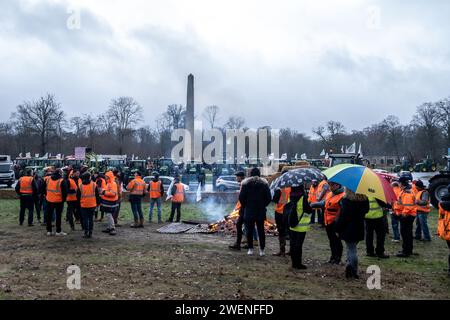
(213, 210)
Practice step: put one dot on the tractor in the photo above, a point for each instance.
(406, 165)
(427, 165)
(438, 184)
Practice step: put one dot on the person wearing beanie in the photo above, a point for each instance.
(423, 209)
(254, 197)
(299, 213)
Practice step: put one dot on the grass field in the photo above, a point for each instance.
(143, 264)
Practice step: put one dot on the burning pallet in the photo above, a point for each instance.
(228, 225)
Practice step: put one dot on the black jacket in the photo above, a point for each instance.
(350, 223)
(445, 202)
(255, 197)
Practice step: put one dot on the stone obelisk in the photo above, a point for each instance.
(190, 111)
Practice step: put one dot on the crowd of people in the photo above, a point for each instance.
(90, 196)
(346, 217)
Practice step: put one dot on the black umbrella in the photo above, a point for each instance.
(297, 177)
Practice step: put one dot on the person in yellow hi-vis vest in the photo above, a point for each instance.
(374, 221)
(299, 218)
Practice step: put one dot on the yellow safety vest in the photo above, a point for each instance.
(375, 211)
(304, 218)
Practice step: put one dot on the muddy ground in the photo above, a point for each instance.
(143, 264)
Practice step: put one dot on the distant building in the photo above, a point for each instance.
(383, 161)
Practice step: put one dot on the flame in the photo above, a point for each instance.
(228, 224)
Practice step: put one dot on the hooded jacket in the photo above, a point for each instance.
(350, 223)
(254, 197)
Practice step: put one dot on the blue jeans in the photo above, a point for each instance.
(352, 255)
(158, 205)
(395, 220)
(136, 208)
(422, 226)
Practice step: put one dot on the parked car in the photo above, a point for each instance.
(7, 175)
(406, 174)
(166, 181)
(227, 183)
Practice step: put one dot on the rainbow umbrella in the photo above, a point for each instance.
(362, 180)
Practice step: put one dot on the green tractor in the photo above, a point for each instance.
(438, 184)
(132, 167)
(406, 165)
(427, 165)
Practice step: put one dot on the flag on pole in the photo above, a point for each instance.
(352, 148)
(28, 155)
(303, 156)
(284, 156)
(326, 156)
(360, 150)
(296, 156)
(322, 153)
(342, 149)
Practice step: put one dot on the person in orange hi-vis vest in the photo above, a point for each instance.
(177, 199)
(136, 188)
(27, 190)
(396, 211)
(240, 176)
(55, 195)
(322, 191)
(89, 197)
(407, 203)
(109, 198)
(281, 198)
(444, 222)
(312, 197)
(423, 210)
(332, 208)
(156, 192)
(72, 201)
(101, 185)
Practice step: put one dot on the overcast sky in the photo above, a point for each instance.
(279, 63)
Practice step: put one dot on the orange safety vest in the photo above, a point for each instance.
(26, 185)
(178, 197)
(102, 187)
(87, 195)
(312, 195)
(443, 224)
(422, 209)
(136, 187)
(73, 187)
(155, 189)
(54, 194)
(112, 193)
(396, 207)
(320, 189)
(407, 201)
(414, 188)
(284, 198)
(332, 207)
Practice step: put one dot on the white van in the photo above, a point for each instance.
(7, 175)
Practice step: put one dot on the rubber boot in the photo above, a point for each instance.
(135, 224)
(282, 252)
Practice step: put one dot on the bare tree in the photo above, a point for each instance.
(234, 122)
(124, 113)
(79, 126)
(43, 117)
(443, 109)
(211, 114)
(331, 134)
(427, 119)
(391, 125)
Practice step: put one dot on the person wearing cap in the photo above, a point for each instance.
(177, 193)
(254, 197)
(423, 209)
(407, 204)
(136, 188)
(155, 190)
(312, 197)
(240, 176)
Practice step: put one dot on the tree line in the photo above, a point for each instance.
(41, 126)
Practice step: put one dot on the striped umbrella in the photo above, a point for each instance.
(362, 180)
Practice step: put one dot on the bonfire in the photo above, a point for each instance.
(228, 225)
